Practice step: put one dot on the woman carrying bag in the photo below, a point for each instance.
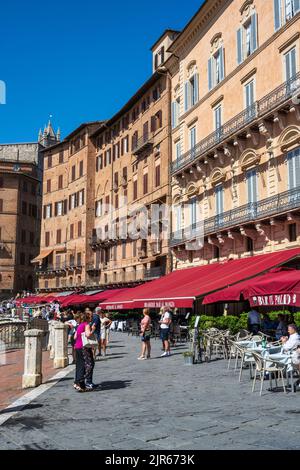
(84, 341)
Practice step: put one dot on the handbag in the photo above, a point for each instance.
(91, 342)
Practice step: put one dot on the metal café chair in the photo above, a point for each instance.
(267, 365)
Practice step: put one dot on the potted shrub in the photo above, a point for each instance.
(188, 358)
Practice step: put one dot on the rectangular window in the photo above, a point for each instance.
(135, 189)
(157, 176)
(81, 198)
(79, 229)
(47, 238)
(23, 236)
(60, 181)
(134, 249)
(79, 259)
(219, 191)
(249, 93)
(48, 211)
(1, 205)
(216, 68)
(145, 183)
(290, 64)
(73, 172)
(71, 231)
(48, 186)
(49, 161)
(218, 122)
(178, 151)
(58, 237)
(73, 201)
(291, 8)
(24, 208)
(117, 201)
(59, 208)
(99, 208)
(61, 157)
(193, 141)
(80, 169)
(293, 232)
(251, 178)
(175, 113)
(123, 249)
(293, 159)
(249, 244)
(106, 205)
(1, 183)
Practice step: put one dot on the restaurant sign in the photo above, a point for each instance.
(159, 304)
(274, 299)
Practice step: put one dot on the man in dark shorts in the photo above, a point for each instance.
(96, 327)
(165, 323)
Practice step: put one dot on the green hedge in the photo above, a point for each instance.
(233, 323)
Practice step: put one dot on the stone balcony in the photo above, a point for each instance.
(249, 120)
(265, 210)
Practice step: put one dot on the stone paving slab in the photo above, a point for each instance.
(155, 405)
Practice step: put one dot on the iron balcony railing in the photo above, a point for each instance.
(248, 213)
(258, 110)
(142, 143)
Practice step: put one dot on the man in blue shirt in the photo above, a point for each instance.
(96, 327)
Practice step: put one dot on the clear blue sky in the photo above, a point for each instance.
(79, 61)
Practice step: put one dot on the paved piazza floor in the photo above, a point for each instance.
(158, 404)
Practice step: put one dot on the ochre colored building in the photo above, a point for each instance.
(236, 131)
(67, 217)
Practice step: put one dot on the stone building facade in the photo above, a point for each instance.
(132, 175)
(236, 131)
(21, 171)
(67, 214)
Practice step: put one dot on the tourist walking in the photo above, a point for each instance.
(165, 323)
(105, 325)
(145, 335)
(84, 356)
(96, 327)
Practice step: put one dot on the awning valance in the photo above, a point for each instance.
(43, 254)
(273, 288)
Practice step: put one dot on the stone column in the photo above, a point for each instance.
(60, 345)
(32, 376)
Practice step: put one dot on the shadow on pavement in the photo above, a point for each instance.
(21, 407)
(58, 380)
(115, 385)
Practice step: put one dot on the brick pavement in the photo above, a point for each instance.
(159, 404)
(11, 375)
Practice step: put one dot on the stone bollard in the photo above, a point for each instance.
(32, 376)
(61, 358)
(51, 344)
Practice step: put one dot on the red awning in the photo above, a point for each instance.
(274, 288)
(83, 299)
(180, 288)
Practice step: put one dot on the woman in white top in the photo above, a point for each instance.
(105, 325)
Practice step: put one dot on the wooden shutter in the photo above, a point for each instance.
(222, 63)
(210, 73)
(277, 14)
(253, 32)
(196, 88)
(240, 52)
(186, 96)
